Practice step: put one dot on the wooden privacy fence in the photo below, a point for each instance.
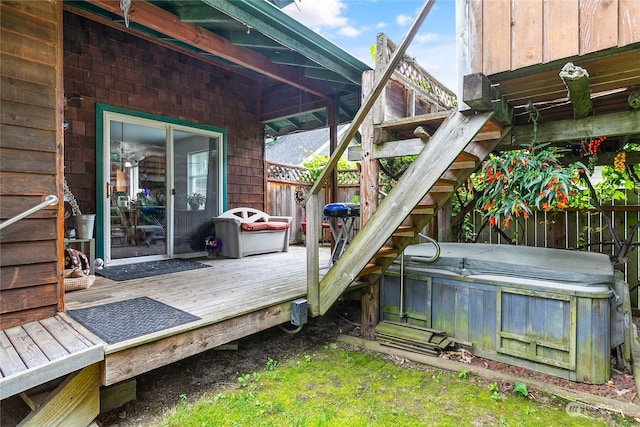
(287, 186)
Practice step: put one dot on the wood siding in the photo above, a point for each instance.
(30, 160)
(507, 35)
(103, 64)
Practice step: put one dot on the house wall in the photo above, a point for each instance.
(30, 156)
(506, 35)
(105, 65)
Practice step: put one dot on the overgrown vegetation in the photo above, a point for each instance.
(338, 387)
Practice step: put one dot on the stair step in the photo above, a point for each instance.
(386, 251)
(424, 210)
(443, 186)
(405, 231)
(370, 269)
(465, 161)
(412, 337)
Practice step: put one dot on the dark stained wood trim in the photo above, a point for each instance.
(166, 23)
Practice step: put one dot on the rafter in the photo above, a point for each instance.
(166, 23)
(238, 10)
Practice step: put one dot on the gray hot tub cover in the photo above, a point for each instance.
(558, 265)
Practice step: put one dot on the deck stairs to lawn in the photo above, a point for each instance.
(452, 153)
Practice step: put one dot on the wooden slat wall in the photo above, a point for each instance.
(30, 160)
(513, 34)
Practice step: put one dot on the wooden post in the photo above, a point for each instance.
(313, 253)
(369, 187)
(576, 79)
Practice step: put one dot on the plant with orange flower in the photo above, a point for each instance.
(513, 183)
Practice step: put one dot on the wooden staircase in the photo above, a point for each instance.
(448, 158)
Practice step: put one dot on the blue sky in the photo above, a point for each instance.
(353, 24)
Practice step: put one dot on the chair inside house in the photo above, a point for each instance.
(150, 224)
(121, 231)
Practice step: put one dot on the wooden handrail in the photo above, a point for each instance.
(49, 200)
(371, 99)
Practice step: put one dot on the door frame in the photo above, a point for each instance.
(105, 113)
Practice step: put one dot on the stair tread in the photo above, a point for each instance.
(387, 251)
(370, 269)
(424, 209)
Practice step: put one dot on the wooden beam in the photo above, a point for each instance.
(166, 23)
(576, 79)
(407, 147)
(611, 124)
(122, 362)
(479, 94)
(604, 159)
(75, 402)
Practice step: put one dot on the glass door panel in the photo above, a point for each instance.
(136, 226)
(196, 184)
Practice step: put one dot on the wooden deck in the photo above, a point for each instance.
(38, 352)
(234, 298)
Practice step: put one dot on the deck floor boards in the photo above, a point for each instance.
(234, 298)
(228, 288)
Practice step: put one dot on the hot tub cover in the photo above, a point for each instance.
(558, 265)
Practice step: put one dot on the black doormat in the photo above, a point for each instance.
(123, 320)
(148, 269)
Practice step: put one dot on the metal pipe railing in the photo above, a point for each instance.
(48, 201)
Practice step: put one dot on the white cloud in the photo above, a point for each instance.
(328, 16)
(403, 19)
(425, 38)
(381, 25)
(349, 31)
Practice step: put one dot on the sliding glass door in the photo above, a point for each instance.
(163, 186)
(196, 183)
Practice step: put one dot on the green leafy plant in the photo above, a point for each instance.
(511, 183)
(243, 380)
(196, 200)
(271, 364)
(521, 388)
(463, 374)
(317, 163)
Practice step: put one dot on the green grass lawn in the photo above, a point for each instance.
(334, 386)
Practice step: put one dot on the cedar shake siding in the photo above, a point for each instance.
(112, 67)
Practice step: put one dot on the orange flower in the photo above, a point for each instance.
(546, 206)
(492, 221)
(506, 222)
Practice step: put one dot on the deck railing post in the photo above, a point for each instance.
(313, 253)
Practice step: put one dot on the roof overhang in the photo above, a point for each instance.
(298, 69)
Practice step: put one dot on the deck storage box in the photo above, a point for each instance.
(545, 309)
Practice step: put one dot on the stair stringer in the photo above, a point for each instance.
(451, 138)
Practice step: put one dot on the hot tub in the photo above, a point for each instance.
(545, 309)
